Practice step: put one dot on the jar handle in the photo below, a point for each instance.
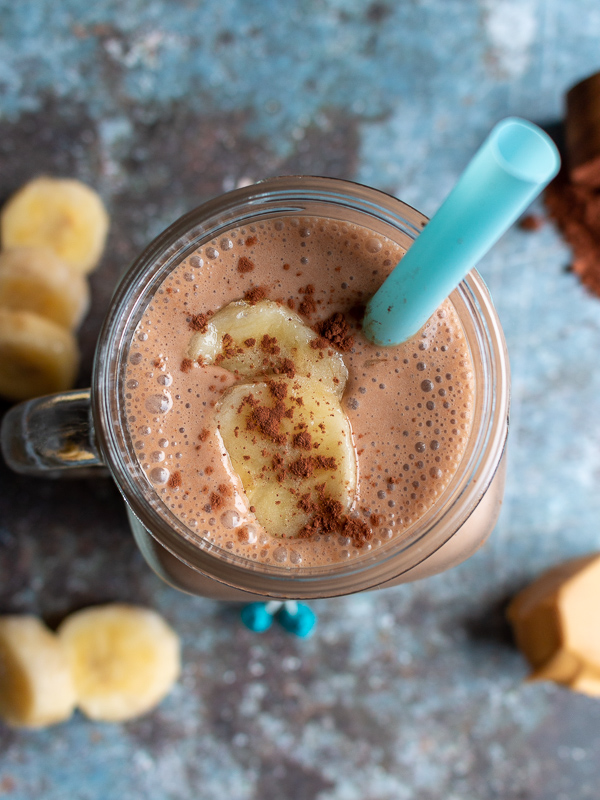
(52, 437)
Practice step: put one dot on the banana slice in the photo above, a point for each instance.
(124, 659)
(37, 356)
(262, 339)
(62, 214)
(35, 279)
(291, 445)
(36, 687)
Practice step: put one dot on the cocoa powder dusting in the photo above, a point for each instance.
(175, 481)
(255, 294)
(229, 348)
(199, 322)
(186, 365)
(267, 421)
(287, 367)
(216, 501)
(302, 468)
(250, 241)
(245, 264)
(307, 306)
(302, 440)
(278, 390)
(268, 344)
(337, 331)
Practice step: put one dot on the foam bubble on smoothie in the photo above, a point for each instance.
(410, 407)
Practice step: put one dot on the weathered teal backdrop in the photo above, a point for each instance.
(411, 693)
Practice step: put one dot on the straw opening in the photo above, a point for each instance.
(524, 150)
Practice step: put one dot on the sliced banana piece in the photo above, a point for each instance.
(124, 659)
(62, 214)
(291, 445)
(36, 687)
(261, 339)
(35, 279)
(37, 356)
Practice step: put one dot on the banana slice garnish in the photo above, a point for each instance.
(267, 339)
(291, 444)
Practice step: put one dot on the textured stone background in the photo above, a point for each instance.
(415, 692)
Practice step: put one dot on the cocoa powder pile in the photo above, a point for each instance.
(573, 198)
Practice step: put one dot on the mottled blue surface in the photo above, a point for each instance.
(415, 692)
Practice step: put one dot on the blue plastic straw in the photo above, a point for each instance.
(509, 170)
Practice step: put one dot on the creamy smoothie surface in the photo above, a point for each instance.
(408, 409)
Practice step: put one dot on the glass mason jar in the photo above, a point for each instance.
(85, 431)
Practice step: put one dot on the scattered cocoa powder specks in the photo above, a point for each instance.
(224, 489)
(302, 468)
(267, 421)
(175, 481)
(286, 267)
(307, 306)
(186, 365)
(250, 342)
(268, 344)
(357, 530)
(255, 294)
(229, 348)
(287, 367)
(278, 389)
(290, 303)
(243, 534)
(302, 440)
(247, 400)
(199, 322)
(208, 470)
(325, 462)
(204, 434)
(216, 501)
(245, 264)
(251, 240)
(337, 331)
(159, 363)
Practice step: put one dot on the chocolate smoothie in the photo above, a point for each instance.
(409, 407)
